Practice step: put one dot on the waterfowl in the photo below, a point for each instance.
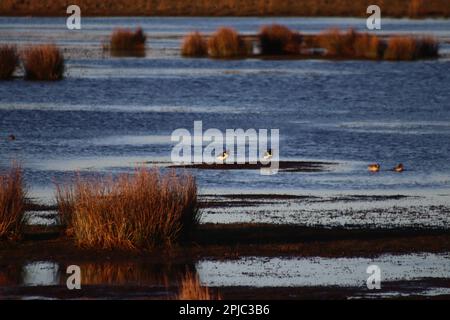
(399, 168)
(223, 156)
(268, 155)
(11, 137)
(374, 167)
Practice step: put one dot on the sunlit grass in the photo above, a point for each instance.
(226, 43)
(194, 45)
(125, 42)
(43, 62)
(191, 289)
(12, 202)
(142, 210)
(278, 39)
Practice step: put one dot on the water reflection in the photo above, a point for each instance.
(424, 274)
(41, 273)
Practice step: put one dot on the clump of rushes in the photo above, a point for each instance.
(352, 44)
(337, 43)
(125, 42)
(12, 203)
(43, 62)
(191, 289)
(368, 46)
(138, 211)
(401, 48)
(277, 39)
(194, 45)
(427, 47)
(409, 48)
(9, 60)
(226, 43)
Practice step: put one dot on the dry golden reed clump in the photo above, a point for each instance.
(9, 60)
(352, 44)
(226, 43)
(12, 203)
(276, 39)
(337, 43)
(43, 62)
(194, 45)
(138, 211)
(409, 48)
(125, 42)
(368, 46)
(191, 289)
(400, 48)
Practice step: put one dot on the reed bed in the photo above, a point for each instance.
(43, 62)
(352, 44)
(12, 203)
(9, 60)
(226, 43)
(138, 211)
(408, 48)
(278, 39)
(125, 42)
(194, 45)
(303, 8)
(191, 289)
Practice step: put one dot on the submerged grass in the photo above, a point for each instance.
(138, 211)
(43, 62)
(9, 60)
(12, 203)
(125, 42)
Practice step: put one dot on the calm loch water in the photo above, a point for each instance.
(109, 114)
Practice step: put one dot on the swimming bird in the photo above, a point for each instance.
(399, 168)
(375, 167)
(268, 155)
(11, 137)
(223, 156)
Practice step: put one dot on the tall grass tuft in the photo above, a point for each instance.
(12, 202)
(226, 43)
(337, 43)
(368, 46)
(277, 39)
(427, 47)
(401, 48)
(125, 42)
(138, 211)
(43, 62)
(9, 60)
(194, 45)
(191, 289)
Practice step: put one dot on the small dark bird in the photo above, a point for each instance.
(11, 137)
(399, 168)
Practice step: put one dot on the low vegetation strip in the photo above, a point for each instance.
(309, 8)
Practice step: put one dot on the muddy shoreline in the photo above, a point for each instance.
(235, 240)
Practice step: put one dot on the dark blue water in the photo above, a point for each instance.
(108, 114)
